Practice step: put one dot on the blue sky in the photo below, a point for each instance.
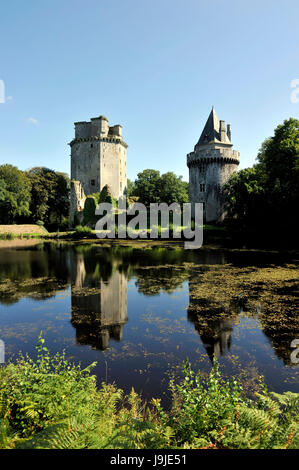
(154, 66)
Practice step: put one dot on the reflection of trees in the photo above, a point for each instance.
(37, 272)
(99, 274)
(218, 294)
(212, 318)
(215, 332)
(153, 281)
(168, 269)
(281, 323)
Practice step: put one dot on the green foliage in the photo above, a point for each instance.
(76, 219)
(245, 197)
(151, 187)
(2, 190)
(91, 203)
(267, 195)
(173, 189)
(106, 195)
(202, 407)
(147, 186)
(49, 195)
(51, 403)
(130, 188)
(83, 230)
(212, 412)
(90, 206)
(26, 236)
(14, 194)
(279, 168)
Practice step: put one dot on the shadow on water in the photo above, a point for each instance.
(130, 304)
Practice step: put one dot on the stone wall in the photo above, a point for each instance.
(209, 170)
(77, 201)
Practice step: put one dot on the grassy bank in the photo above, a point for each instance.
(50, 403)
(217, 235)
(84, 232)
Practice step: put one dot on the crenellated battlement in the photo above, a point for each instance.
(94, 138)
(96, 127)
(212, 155)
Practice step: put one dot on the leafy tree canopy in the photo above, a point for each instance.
(2, 190)
(14, 194)
(267, 195)
(173, 189)
(49, 195)
(151, 187)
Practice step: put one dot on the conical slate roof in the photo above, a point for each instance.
(211, 132)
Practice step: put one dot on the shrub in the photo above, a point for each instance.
(76, 219)
(212, 412)
(51, 403)
(90, 206)
(106, 195)
(83, 230)
(7, 236)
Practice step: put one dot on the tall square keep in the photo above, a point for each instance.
(98, 157)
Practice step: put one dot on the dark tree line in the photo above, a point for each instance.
(266, 196)
(151, 187)
(39, 195)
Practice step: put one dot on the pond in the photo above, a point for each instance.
(140, 312)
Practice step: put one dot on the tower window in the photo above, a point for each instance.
(202, 187)
(91, 145)
(92, 182)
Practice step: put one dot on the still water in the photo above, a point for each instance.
(132, 311)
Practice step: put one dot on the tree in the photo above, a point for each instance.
(151, 187)
(267, 195)
(2, 190)
(49, 195)
(15, 194)
(148, 186)
(106, 195)
(173, 189)
(130, 188)
(244, 197)
(279, 170)
(61, 205)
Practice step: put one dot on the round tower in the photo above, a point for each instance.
(210, 165)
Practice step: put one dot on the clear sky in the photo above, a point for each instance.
(154, 66)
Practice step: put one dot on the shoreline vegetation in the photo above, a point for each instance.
(51, 403)
(8, 232)
(219, 236)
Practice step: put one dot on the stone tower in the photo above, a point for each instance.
(99, 307)
(210, 166)
(98, 157)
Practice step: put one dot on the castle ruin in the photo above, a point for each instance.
(98, 158)
(210, 165)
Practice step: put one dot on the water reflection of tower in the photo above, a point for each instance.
(214, 334)
(213, 323)
(99, 305)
